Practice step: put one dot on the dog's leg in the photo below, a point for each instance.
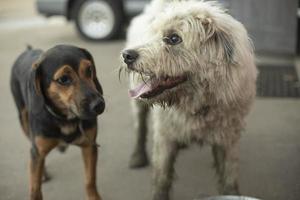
(46, 176)
(24, 121)
(139, 156)
(90, 156)
(226, 165)
(42, 146)
(164, 156)
(25, 126)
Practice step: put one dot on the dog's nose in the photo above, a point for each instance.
(130, 56)
(97, 106)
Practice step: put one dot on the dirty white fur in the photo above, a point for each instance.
(216, 55)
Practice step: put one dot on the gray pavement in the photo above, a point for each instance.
(270, 149)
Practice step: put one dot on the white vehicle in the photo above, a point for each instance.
(94, 19)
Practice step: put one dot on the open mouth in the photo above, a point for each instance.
(155, 86)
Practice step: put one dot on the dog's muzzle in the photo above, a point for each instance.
(97, 106)
(130, 56)
(92, 107)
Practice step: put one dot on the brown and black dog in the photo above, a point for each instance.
(58, 98)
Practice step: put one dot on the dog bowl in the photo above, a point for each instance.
(228, 198)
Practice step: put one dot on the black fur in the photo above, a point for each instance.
(35, 63)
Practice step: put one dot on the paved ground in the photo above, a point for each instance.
(270, 161)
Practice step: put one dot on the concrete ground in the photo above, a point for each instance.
(270, 149)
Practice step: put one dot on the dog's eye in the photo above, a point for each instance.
(64, 80)
(88, 72)
(172, 39)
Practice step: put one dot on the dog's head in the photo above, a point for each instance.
(65, 79)
(191, 48)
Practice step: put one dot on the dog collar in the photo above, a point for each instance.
(56, 115)
(81, 130)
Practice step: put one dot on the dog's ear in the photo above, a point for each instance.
(36, 77)
(221, 38)
(226, 44)
(96, 82)
(205, 26)
(208, 26)
(37, 99)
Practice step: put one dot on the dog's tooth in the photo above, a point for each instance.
(147, 76)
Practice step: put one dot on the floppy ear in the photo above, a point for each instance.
(223, 42)
(226, 44)
(36, 95)
(96, 82)
(36, 78)
(208, 27)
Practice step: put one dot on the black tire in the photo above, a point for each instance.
(113, 7)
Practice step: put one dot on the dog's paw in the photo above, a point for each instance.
(231, 190)
(37, 195)
(46, 176)
(96, 197)
(161, 196)
(139, 160)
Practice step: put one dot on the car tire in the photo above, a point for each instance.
(98, 19)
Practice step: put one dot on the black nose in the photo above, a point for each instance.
(130, 56)
(97, 106)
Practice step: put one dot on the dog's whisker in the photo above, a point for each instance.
(120, 73)
(142, 77)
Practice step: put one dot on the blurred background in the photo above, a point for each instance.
(270, 149)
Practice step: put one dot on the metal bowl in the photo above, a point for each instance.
(228, 198)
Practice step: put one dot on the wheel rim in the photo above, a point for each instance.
(96, 19)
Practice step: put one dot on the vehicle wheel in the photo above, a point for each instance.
(98, 19)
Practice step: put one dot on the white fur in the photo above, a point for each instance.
(217, 57)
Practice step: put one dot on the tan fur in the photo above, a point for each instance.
(87, 139)
(89, 154)
(67, 98)
(43, 147)
(216, 56)
(84, 64)
(64, 97)
(83, 67)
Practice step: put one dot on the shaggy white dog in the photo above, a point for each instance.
(195, 66)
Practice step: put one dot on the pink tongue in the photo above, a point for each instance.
(139, 90)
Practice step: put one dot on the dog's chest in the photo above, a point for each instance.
(213, 127)
(70, 132)
(185, 127)
(73, 133)
(69, 129)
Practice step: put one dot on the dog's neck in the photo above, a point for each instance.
(59, 116)
(202, 111)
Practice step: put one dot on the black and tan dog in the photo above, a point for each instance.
(58, 98)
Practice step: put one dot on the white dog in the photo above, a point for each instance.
(195, 66)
